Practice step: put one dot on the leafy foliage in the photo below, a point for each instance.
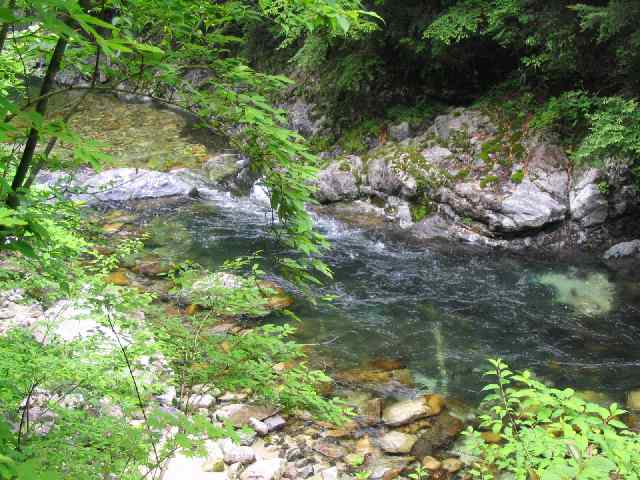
(550, 433)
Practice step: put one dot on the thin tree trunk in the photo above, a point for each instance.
(41, 108)
(4, 31)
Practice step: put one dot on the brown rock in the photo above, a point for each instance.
(491, 437)
(436, 402)
(373, 411)
(406, 411)
(452, 465)
(192, 309)
(445, 428)
(118, 278)
(386, 364)
(431, 463)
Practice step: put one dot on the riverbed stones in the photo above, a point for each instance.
(406, 411)
(264, 470)
(397, 442)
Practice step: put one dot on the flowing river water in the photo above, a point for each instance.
(441, 310)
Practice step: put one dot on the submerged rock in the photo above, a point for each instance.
(444, 429)
(591, 294)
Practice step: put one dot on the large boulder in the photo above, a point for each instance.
(507, 210)
(126, 184)
(471, 123)
(301, 118)
(397, 442)
(340, 180)
(589, 206)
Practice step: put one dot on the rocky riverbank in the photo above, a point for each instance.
(463, 179)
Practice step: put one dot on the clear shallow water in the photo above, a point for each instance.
(444, 311)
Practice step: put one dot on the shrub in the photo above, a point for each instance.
(550, 434)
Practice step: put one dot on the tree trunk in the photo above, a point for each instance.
(4, 31)
(41, 108)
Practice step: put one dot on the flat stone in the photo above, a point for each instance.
(397, 442)
(329, 449)
(239, 414)
(406, 411)
(275, 423)
(260, 427)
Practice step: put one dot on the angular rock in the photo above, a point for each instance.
(340, 181)
(397, 442)
(239, 414)
(236, 453)
(405, 411)
(260, 427)
(275, 423)
(400, 132)
(471, 122)
(588, 204)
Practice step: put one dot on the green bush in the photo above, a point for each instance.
(550, 434)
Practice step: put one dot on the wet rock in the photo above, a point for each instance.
(444, 429)
(239, 414)
(397, 442)
(592, 294)
(436, 402)
(623, 250)
(372, 411)
(406, 411)
(264, 470)
(633, 400)
(400, 132)
(224, 166)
